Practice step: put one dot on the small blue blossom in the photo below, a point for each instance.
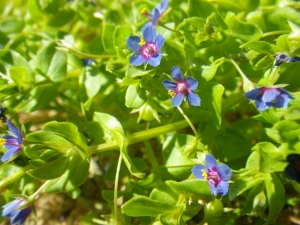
(282, 57)
(292, 170)
(156, 13)
(86, 62)
(17, 211)
(12, 142)
(181, 88)
(266, 97)
(217, 175)
(147, 49)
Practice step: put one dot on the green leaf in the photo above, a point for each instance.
(113, 127)
(275, 195)
(69, 132)
(35, 10)
(51, 63)
(143, 206)
(245, 31)
(74, 176)
(271, 158)
(107, 38)
(135, 96)
(133, 71)
(50, 170)
(209, 72)
(284, 131)
(242, 184)
(18, 74)
(61, 18)
(92, 80)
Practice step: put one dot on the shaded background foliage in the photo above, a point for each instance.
(78, 118)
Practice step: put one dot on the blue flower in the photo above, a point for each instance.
(12, 142)
(217, 175)
(86, 62)
(17, 211)
(292, 170)
(181, 88)
(282, 57)
(156, 13)
(266, 97)
(147, 49)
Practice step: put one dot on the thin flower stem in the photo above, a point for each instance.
(33, 196)
(188, 120)
(168, 28)
(278, 32)
(11, 178)
(116, 189)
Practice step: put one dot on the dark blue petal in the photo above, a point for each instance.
(176, 101)
(270, 94)
(283, 91)
(163, 6)
(149, 33)
(197, 171)
(176, 73)
(169, 85)
(292, 173)
(260, 105)
(282, 101)
(293, 158)
(213, 189)
(223, 188)
(12, 128)
(193, 98)
(132, 43)
(19, 137)
(192, 83)
(224, 171)
(156, 16)
(210, 161)
(19, 216)
(251, 95)
(155, 60)
(160, 40)
(137, 60)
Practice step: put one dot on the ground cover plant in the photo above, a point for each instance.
(150, 112)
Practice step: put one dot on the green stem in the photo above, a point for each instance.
(278, 32)
(188, 120)
(116, 189)
(150, 154)
(145, 135)
(168, 28)
(273, 76)
(33, 196)
(6, 181)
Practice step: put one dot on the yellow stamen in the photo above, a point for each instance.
(142, 42)
(204, 174)
(143, 11)
(172, 93)
(275, 100)
(2, 141)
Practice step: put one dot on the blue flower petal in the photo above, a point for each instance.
(213, 189)
(155, 60)
(20, 216)
(9, 207)
(292, 173)
(137, 60)
(197, 171)
(193, 98)
(133, 43)
(156, 16)
(287, 93)
(251, 95)
(176, 101)
(9, 155)
(210, 161)
(282, 101)
(176, 73)
(169, 85)
(260, 105)
(146, 25)
(192, 83)
(149, 33)
(293, 158)
(163, 6)
(224, 171)
(160, 40)
(223, 187)
(12, 128)
(270, 94)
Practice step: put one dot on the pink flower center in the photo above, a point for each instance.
(181, 87)
(213, 177)
(149, 50)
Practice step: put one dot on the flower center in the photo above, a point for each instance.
(142, 42)
(149, 50)
(181, 87)
(2, 141)
(172, 93)
(212, 176)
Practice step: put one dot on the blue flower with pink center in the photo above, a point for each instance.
(216, 174)
(17, 211)
(292, 170)
(265, 97)
(156, 13)
(12, 142)
(181, 88)
(147, 49)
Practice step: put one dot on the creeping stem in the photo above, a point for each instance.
(11, 178)
(116, 189)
